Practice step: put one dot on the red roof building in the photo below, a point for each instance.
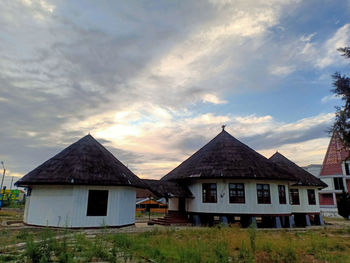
(336, 174)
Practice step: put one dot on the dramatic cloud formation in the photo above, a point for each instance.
(154, 81)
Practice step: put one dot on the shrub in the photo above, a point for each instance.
(290, 255)
(62, 251)
(252, 236)
(40, 252)
(32, 250)
(221, 252)
(245, 255)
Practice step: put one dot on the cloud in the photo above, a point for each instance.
(328, 98)
(139, 78)
(330, 55)
(306, 52)
(304, 153)
(282, 70)
(162, 143)
(210, 98)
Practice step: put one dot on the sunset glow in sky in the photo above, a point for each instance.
(153, 81)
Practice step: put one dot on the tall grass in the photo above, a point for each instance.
(192, 245)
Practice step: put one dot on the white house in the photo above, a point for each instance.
(303, 196)
(82, 186)
(230, 181)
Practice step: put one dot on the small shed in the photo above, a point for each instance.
(82, 186)
(149, 204)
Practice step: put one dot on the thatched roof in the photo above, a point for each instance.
(303, 177)
(85, 162)
(226, 157)
(167, 188)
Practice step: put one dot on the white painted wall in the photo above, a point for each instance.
(251, 205)
(67, 206)
(329, 182)
(304, 206)
(173, 204)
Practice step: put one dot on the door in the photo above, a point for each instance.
(182, 205)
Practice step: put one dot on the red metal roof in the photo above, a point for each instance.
(336, 153)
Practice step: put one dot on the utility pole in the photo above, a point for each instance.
(11, 183)
(2, 183)
(9, 198)
(3, 174)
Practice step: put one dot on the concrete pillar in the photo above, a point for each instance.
(307, 220)
(283, 221)
(196, 220)
(321, 220)
(253, 221)
(278, 222)
(291, 221)
(223, 220)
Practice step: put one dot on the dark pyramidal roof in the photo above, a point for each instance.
(226, 157)
(167, 188)
(85, 162)
(303, 177)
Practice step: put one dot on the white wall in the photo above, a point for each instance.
(251, 205)
(50, 206)
(329, 182)
(67, 206)
(173, 204)
(304, 206)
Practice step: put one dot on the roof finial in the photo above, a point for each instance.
(223, 127)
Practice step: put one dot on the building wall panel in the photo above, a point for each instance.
(251, 205)
(50, 206)
(304, 206)
(67, 206)
(326, 199)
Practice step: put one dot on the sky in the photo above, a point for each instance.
(153, 81)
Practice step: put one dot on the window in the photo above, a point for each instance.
(347, 169)
(236, 192)
(282, 194)
(209, 193)
(294, 196)
(311, 196)
(338, 183)
(263, 192)
(97, 203)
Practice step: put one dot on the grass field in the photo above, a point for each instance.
(186, 244)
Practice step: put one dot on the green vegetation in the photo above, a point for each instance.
(191, 245)
(169, 244)
(13, 204)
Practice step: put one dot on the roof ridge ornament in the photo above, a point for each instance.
(223, 127)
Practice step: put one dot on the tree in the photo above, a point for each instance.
(341, 124)
(341, 89)
(344, 205)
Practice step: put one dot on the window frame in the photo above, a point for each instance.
(347, 168)
(340, 183)
(282, 197)
(236, 199)
(97, 207)
(311, 197)
(263, 199)
(207, 192)
(292, 193)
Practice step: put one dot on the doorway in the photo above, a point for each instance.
(182, 205)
